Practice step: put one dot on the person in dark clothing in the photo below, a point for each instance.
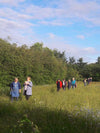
(90, 79)
(59, 84)
(69, 84)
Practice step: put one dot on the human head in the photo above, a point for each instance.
(28, 78)
(16, 79)
(73, 78)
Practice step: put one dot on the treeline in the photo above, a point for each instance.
(44, 65)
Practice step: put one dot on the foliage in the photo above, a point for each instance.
(81, 69)
(24, 126)
(44, 65)
(37, 61)
(92, 70)
(73, 73)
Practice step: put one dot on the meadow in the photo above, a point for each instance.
(48, 111)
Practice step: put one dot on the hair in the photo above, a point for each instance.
(15, 78)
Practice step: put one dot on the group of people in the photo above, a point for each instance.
(15, 89)
(87, 81)
(63, 84)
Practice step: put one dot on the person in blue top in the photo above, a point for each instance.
(73, 83)
(15, 89)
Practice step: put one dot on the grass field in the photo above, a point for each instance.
(49, 111)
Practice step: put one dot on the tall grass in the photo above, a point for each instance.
(48, 111)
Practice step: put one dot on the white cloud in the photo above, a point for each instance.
(52, 22)
(88, 10)
(81, 37)
(73, 10)
(90, 50)
(51, 35)
(9, 24)
(66, 11)
(89, 54)
(9, 13)
(18, 31)
(11, 2)
(15, 25)
(18, 22)
(38, 12)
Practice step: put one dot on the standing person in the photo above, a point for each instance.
(69, 84)
(28, 88)
(59, 84)
(64, 84)
(85, 82)
(90, 79)
(73, 83)
(15, 88)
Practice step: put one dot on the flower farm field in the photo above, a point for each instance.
(49, 111)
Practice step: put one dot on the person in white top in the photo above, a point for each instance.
(64, 84)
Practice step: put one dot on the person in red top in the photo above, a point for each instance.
(59, 84)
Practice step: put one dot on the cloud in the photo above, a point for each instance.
(73, 10)
(42, 13)
(51, 35)
(86, 10)
(9, 13)
(52, 22)
(11, 2)
(90, 50)
(80, 37)
(89, 54)
(9, 24)
(18, 31)
(66, 11)
(18, 20)
(15, 25)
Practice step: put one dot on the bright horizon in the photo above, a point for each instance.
(72, 26)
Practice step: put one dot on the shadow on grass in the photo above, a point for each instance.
(48, 121)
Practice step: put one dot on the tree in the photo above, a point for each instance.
(44, 65)
(37, 46)
(72, 60)
(98, 60)
(60, 55)
(71, 72)
(80, 63)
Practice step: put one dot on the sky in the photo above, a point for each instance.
(72, 26)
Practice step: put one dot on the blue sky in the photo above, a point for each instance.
(72, 26)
